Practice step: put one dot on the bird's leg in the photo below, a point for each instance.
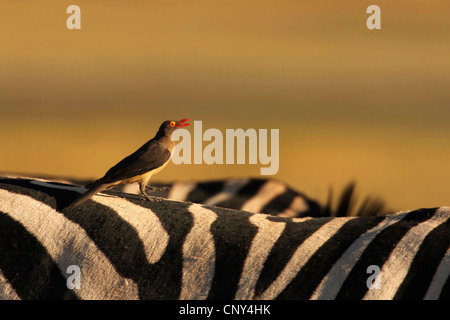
(152, 199)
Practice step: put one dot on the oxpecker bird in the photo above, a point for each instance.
(139, 166)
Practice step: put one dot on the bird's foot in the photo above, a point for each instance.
(151, 189)
(154, 199)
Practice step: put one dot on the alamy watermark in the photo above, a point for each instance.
(74, 280)
(374, 281)
(235, 147)
(73, 22)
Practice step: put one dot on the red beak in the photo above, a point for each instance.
(182, 124)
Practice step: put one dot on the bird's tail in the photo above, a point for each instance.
(85, 196)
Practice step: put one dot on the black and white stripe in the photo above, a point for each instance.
(253, 195)
(268, 196)
(128, 248)
(256, 195)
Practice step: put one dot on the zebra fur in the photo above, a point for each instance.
(128, 248)
(255, 195)
(268, 196)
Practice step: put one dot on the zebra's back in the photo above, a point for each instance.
(270, 196)
(127, 248)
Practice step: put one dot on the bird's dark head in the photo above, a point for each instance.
(169, 126)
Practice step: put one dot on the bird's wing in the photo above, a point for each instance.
(147, 158)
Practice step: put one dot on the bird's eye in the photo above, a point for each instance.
(172, 123)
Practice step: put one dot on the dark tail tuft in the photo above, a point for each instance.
(370, 206)
(373, 207)
(346, 201)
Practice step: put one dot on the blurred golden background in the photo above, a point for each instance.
(350, 103)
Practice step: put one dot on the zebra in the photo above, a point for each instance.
(127, 248)
(270, 196)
